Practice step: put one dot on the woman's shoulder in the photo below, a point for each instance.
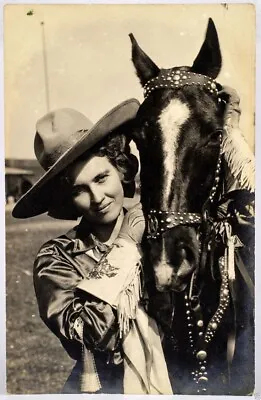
(133, 209)
(134, 213)
(63, 241)
(133, 225)
(50, 247)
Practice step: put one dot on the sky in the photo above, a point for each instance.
(88, 55)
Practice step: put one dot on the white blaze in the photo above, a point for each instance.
(163, 269)
(170, 120)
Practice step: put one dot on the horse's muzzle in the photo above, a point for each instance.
(166, 278)
(176, 260)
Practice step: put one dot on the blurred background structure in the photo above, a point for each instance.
(20, 175)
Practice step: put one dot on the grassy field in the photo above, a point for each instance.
(36, 362)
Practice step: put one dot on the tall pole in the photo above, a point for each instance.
(46, 82)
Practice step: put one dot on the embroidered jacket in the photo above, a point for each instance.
(59, 267)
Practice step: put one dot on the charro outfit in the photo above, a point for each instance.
(93, 307)
(114, 354)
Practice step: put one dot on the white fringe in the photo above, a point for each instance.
(239, 157)
(129, 299)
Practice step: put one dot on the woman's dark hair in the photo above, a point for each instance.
(116, 148)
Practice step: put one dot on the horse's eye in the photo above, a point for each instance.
(214, 138)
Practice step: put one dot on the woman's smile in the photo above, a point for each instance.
(103, 208)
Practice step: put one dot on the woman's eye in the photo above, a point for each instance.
(77, 190)
(101, 178)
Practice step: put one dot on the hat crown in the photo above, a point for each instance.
(56, 133)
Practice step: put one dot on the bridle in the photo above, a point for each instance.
(208, 227)
(159, 221)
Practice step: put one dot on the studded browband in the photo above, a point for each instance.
(177, 78)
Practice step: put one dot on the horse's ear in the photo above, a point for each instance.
(145, 67)
(209, 60)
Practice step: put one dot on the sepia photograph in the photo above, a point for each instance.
(130, 198)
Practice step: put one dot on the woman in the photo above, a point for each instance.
(89, 168)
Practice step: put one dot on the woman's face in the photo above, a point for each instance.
(97, 190)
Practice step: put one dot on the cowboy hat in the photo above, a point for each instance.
(61, 137)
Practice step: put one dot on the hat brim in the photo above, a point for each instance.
(34, 202)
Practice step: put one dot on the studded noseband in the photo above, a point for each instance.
(160, 221)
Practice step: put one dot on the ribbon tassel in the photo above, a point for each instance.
(230, 251)
(90, 381)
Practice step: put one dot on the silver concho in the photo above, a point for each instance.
(153, 225)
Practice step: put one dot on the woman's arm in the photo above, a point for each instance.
(61, 304)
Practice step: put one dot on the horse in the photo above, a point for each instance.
(192, 284)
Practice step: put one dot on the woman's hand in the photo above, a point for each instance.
(232, 110)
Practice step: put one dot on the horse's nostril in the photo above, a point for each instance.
(186, 253)
(183, 253)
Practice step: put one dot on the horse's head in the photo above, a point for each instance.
(179, 138)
